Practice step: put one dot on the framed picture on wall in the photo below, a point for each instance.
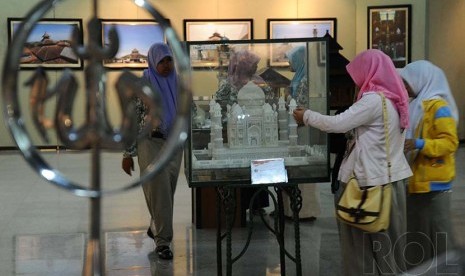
(135, 38)
(209, 55)
(49, 43)
(286, 28)
(214, 30)
(389, 30)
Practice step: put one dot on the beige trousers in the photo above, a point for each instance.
(429, 227)
(310, 202)
(159, 192)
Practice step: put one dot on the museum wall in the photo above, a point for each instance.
(446, 44)
(175, 11)
(351, 32)
(436, 36)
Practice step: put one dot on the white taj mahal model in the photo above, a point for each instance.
(255, 130)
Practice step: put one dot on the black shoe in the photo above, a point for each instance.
(164, 252)
(150, 233)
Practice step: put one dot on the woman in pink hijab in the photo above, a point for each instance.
(373, 72)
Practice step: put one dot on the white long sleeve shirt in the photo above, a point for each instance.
(368, 159)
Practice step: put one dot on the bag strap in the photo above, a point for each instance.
(385, 118)
(358, 213)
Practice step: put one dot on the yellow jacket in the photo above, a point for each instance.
(436, 138)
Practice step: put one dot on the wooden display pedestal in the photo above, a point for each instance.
(204, 209)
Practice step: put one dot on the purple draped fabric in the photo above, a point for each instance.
(167, 87)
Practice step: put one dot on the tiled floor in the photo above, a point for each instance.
(43, 229)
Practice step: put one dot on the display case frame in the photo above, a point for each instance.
(210, 164)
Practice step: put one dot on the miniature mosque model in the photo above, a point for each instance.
(255, 130)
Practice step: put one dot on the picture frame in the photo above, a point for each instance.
(389, 30)
(209, 55)
(322, 53)
(286, 28)
(134, 40)
(218, 29)
(49, 43)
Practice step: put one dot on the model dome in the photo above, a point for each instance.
(251, 95)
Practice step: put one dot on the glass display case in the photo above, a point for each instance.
(245, 93)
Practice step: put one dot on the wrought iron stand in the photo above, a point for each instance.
(226, 201)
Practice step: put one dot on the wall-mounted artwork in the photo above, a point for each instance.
(49, 43)
(135, 37)
(389, 31)
(210, 55)
(212, 29)
(287, 28)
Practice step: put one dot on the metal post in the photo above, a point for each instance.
(93, 262)
(296, 206)
(280, 234)
(219, 253)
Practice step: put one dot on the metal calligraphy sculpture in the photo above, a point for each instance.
(96, 133)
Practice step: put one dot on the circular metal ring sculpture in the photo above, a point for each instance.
(102, 135)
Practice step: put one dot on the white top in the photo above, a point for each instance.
(368, 160)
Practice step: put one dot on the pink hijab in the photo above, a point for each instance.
(373, 71)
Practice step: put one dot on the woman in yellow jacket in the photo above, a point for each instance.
(431, 143)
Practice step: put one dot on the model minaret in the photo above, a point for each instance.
(216, 137)
(292, 124)
(283, 121)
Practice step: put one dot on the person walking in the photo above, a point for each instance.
(159, 192)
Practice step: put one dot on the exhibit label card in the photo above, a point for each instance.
(268, 171)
